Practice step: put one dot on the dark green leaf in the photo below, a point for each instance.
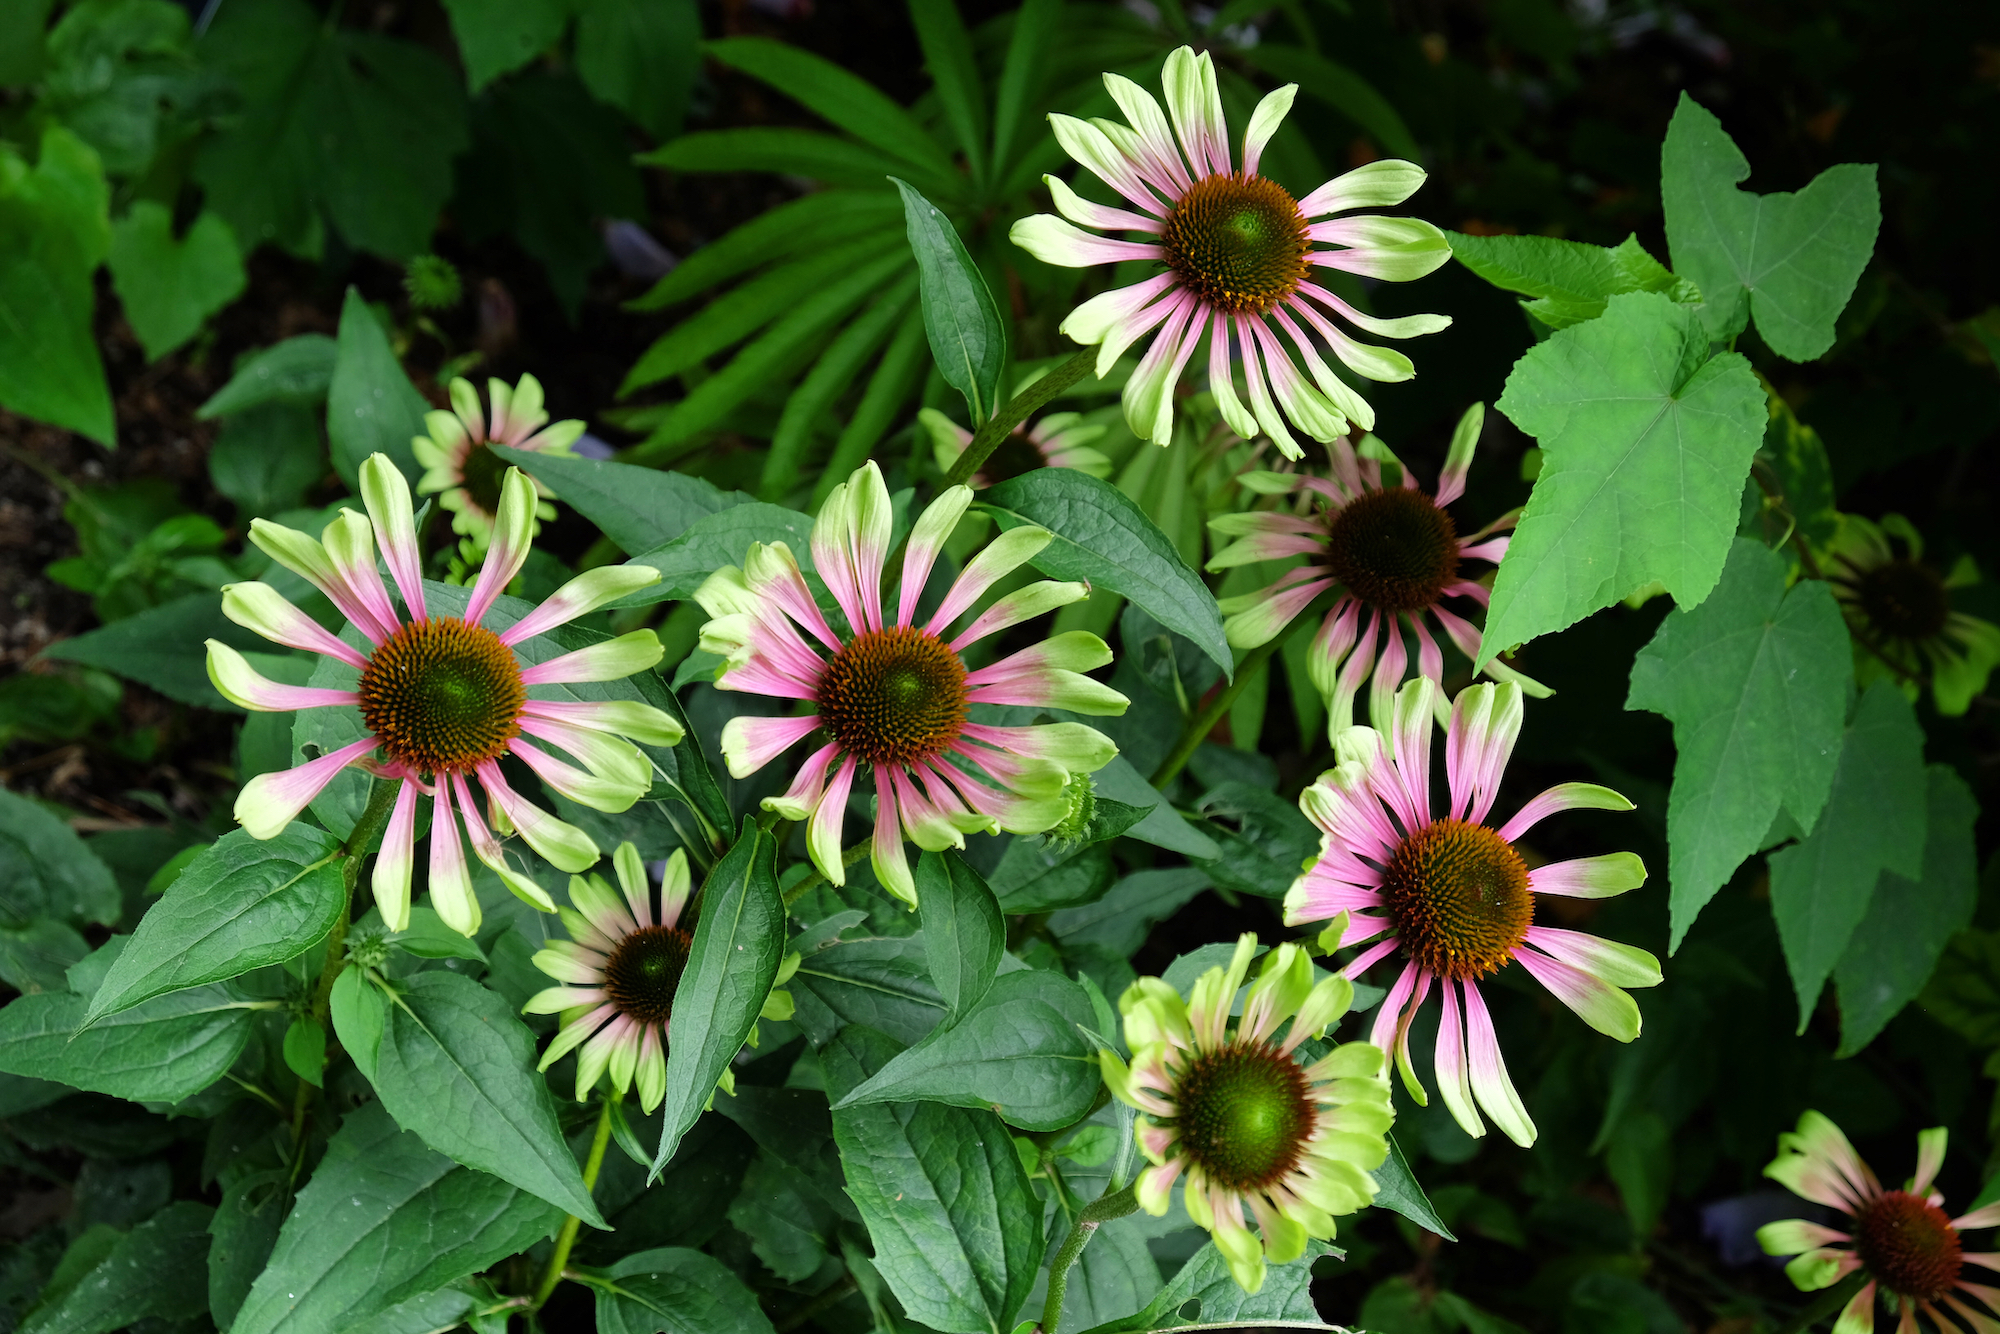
(384, 1219)
(1793, 257)
(1019, 1050)
(1036, 875)
(158, 1269)
(371, 406)
(1874, 821)
(637, 508)
(360, 1016)
(359, 125)
(1805, 476)
(1163, 826)
(244, 1230)
(457, 1067)
(716, 540)
(1270, 845)
(166, 1050)
(883, 983)
(46, 871)
(968, 339)
(641, 56)
(54, 229)
(267, 456)
(1646, 441)
(428, 937)
(297, 370)
(732, 962)
(789, 1224)
(1963, 993)
(674, 1291)
(1910, 919)
(1102, 537)
(1120, 920)
(810, 222)
(170, 284)
(808, 153)
(497, 38)
(1397, 1189)
(1755, 682)
(165, 647)
(243, 903)
(36, 956)
(964, 935)
(956, 1227)
(305, 1050)
(955, 72)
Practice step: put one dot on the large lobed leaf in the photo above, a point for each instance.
(1755, 681)
(54, 230)
(1646, 440)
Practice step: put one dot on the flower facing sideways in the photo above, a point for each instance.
(1238, 254)
(1910, 1248)
(621, 969)
(1059, 440)
(1454, 896)
(1243, 1115)
(442, 698)
(892, 694)
(1900, 607)
(1389, 554)
(461, 468)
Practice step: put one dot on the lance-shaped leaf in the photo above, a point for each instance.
(732, 962)
(1203, 1290)
(1874, 821)
(968, 339)
(1755, 682)
(1794, 258)
(158, 1269)
(166, 1050)
(1397, 1189)
(637, 508)
(384, 1219)
(371, 406)
(1646, 440)
(964, 935)
(47, 871)
(956, 1227)
(458, 1067)
(715, 540)
(1020, 1050)
(297, 370)
(673, 1290)
(1910, 920)
(1101, 537)
(243, 903)
(881, 982)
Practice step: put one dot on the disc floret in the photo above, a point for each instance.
(1241, 1116)
(1911, 1252)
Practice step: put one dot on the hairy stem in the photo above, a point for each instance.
(552, 1273)
(814, 878)
(1210, 714)
(1102, 1210)
(1002, 423)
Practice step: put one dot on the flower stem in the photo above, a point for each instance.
(1002, 423)
(558, 1258)
(1210, 714)
(1830, 1301)
(814, 878)
(1102, 1210)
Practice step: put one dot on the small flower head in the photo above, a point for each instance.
(432, 283)
(1059, 440)
(1454, 897)
(443, 699)
(622, 969)
(466, 474)
(1236, 253)
(893, 693)
(1389, 555)
(1900, 608)
(1913, 1252)
(1247, 1118)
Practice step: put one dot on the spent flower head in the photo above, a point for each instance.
(1455, 897)
(1911, 1251)
(442, 699)
(1245, 1117)
(1237, 254)
(891, 693)
(432, 283)
(1900, 607)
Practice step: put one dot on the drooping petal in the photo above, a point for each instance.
(563, 846)
(749, 742)
(271, 801)
(612, 660)
(246, 687)
(262, 608)
(1490, 1083)
(1604, 1007)
(581, 595)
(396, 861)
(824, 830)
(451, 883)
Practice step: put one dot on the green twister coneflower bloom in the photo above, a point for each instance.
(1239, 1110)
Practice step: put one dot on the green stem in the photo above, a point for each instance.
(1210, 714)
(1002, 423)
(1830, 1301)
(1099, 1211)
(814, 878)
(565, 1239)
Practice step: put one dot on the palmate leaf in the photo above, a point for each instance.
(54, 230)
(1646, 440)
(169, 285)
(640, 56)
